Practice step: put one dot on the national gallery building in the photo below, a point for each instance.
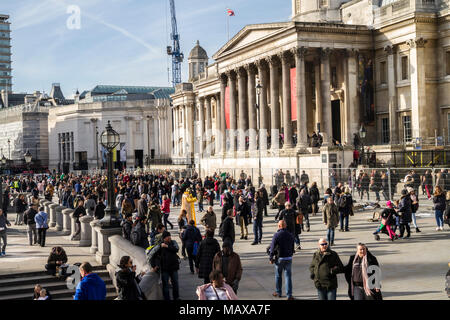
(312, 85)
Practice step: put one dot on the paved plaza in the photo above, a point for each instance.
(412, 269)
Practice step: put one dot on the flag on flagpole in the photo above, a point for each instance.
(230, 13)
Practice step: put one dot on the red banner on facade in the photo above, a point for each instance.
(293, 94)
(227, 107)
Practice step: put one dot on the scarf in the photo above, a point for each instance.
(364, 266)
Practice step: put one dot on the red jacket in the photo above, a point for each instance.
(166, 206)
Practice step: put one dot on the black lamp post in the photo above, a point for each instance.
(362, 134)
(3, 160)
(110, 139)
(28, 157)
(258, 99)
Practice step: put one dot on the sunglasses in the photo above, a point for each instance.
(324, 244)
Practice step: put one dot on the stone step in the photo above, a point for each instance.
(61, 294)
(51, 286)
(37, 273)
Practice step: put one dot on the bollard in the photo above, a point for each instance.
(86, 232)
(104, 246)
(66, 221)
(47, 208)
(59, 218)
(72, 226)
(94, 236)
(52, 222)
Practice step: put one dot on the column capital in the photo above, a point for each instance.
(272, 61)
(284, 56)
(299, 52)
(325, 53)
(223, 78)
(249, 68)
(390, 49)
(416, 43)
(230, 73)
(241, 73)
(260, 63)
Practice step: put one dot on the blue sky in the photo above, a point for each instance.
(120, 42)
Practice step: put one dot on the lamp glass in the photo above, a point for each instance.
(28, 157)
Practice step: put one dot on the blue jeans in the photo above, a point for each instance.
(343, 217)
(413, 216)
(257, 229)
(165, 282)
(439, 215)
(200, 206)
(325, 294)
(330, 235)
(285, 265)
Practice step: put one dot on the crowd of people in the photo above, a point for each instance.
(146, 201)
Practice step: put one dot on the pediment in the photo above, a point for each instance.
(251, 34)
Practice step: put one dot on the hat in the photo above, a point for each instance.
(165, 234)
(404, 192)
(410, 189)
(227, 244)
(389, 204)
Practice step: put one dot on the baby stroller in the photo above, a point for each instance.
(388, 222)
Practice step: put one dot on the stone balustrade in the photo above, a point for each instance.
(59, 218)
(86, 232)
(52, 214)
(94, 236)
(66, 221)
(104, 246)
(73, 228)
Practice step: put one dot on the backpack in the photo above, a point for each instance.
(151, 251)
(135, 237)
(276, 252)
(221, 231)
(343, 202)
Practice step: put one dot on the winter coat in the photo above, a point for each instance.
(324, 268)
(91, 287)
(3, 222)
(54, 257)
(304, 201)
(20, 205)
(290, 217)
(348, 270)
(280, 198)
(405, 210)
(285, 241)
(227, 205)
(154, 216)
(142, 235)
(142, 208)
(191, 235)
(167, 258)
(166, 206)
(259, 208)
(234, 266)
(127, 226)
(41, 220)
(330, 215)
(90, 206)
(99, 211)
(209, 220)
(348, 203)
(314, 194)
(293, 195)
(128, 285)
(29, 215)
(204, 260)
(228, 229)
(265, 196)
(78, 213)
(439, 202)
(243, 210)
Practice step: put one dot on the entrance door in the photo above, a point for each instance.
(336, 119)
(139, 158)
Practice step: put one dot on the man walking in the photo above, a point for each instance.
(3, 237)
(324, 267)
(41, 220)
(28, 219)
(281, 252)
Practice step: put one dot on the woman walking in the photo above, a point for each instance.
(439, 207)
(207, 250)
(182, 225)
(166, 211)
(20, 206)
(357, 275)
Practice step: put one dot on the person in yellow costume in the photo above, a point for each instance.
(187, 203)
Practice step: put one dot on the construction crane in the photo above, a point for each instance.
(175, 51)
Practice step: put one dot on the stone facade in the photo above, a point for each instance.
(335, 66)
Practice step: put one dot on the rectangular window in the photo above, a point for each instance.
(405, 68)
(383, 70)
(447, 62)
(385, 135)
(407, 134)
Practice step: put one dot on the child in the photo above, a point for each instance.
(387, 220)
(43, 295)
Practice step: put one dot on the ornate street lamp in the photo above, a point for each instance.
(362, 134)
(110, 139)
(258, 97)
(28, 157)
(4, 160)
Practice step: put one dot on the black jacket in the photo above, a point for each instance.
(29, 215)
(142, 235)
(204, 260)
(405, 208)
(128, 286)
(20, 205)
(314, 194)
(290, 216)
(127, 226)
(243, 210)
(284, 240)
(167, 258)
(348, 269)
(191, 235)
(439, 202)
(228, 229)
(304, 201)
(99, 212)
(78, 213)
(293, 195)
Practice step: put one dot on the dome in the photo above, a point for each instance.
(198, 52)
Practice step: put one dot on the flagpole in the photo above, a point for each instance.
(228, 26)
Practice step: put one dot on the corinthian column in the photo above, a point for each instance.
(217, 132)
(208, 126)
(233, 116)
(287, 114)
(302, 125)
(263, 110)
(326, 98)
(242, 109)
(223, 124)
(274, 103)
(393, 128)
(251, 89)
(201, 121)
